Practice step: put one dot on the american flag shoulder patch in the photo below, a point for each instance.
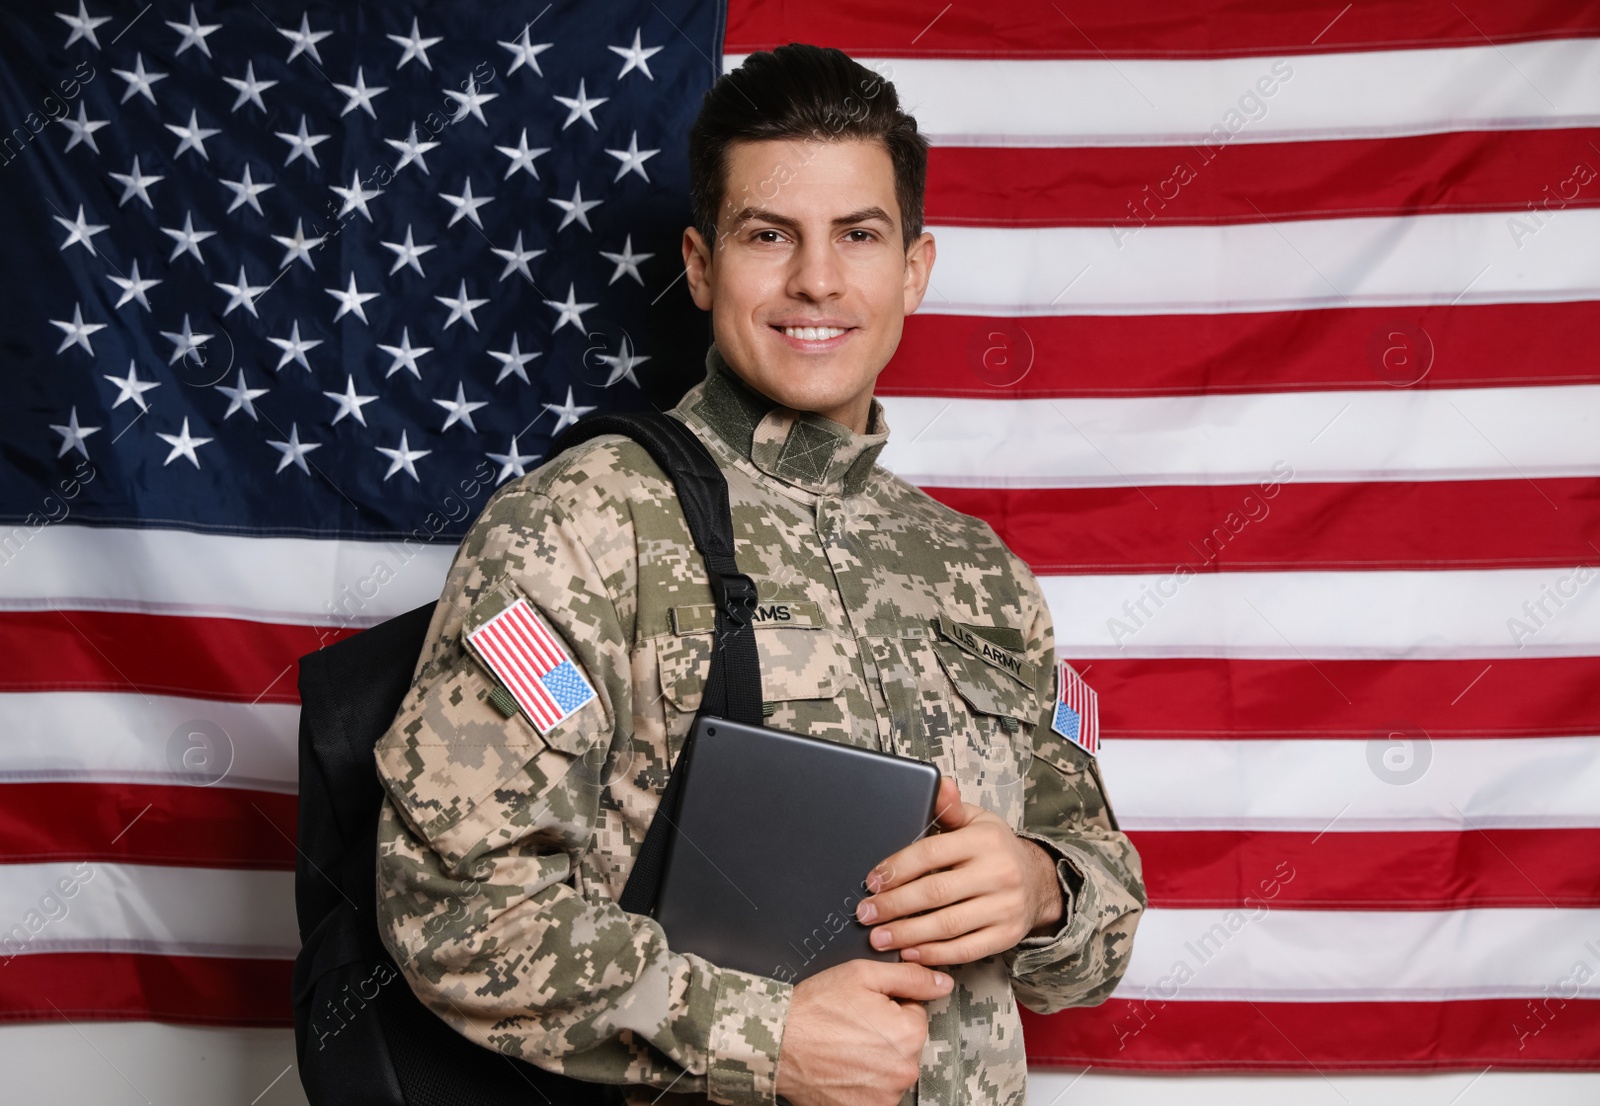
(528, 658)
(1077, 716)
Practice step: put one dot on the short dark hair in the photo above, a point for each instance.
(803, 91)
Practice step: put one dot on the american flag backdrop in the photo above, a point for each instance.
(1267, 335)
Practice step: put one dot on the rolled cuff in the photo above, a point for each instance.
(1032, 953)
(746, 1034)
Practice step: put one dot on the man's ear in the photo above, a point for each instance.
(697, 265)
(919, 269)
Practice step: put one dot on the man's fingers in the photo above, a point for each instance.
(905, 981)
(932, 891)
(949, 811)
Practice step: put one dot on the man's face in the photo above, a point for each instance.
(809, 236)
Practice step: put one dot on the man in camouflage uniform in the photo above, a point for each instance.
(886, 621)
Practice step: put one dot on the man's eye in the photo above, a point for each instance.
(867, 235)
(760, 233)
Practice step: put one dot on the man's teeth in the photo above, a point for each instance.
(813, 333)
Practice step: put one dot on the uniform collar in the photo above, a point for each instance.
(797, 447)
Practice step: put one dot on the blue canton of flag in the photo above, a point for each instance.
(330, 270)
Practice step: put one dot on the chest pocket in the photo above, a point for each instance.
(991, 746)
(799, 659)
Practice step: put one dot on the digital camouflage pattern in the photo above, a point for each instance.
(886, 621)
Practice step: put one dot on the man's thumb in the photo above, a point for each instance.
(908, 981)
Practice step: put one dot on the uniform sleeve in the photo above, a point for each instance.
(482, 899)
(1102, 885)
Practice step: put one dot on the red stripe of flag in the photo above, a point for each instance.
(1100, 29)
(1130, 187)
(1482, 346)
(198, 827)
(109, 986)
(1127, 1034)
(1416, 524)
(1231, 698)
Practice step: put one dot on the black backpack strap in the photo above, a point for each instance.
(733, 687)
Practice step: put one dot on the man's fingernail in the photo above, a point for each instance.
(945, 982)
(866, 912)
(874, 881)
(881, 938)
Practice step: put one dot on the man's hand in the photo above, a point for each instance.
(977, 887)
(855, 1032)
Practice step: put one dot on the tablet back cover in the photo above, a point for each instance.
(775, 835)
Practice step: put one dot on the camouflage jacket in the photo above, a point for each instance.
(887, 621)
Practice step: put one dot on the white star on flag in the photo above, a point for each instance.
(581, 107)
(188, 239)
(405, 355)
(471, 102)
(139, 81)
(349, 402)
(355, 197)
(299, 246)
(242, 294)
(459, 410)
(82, 26)
(73, 435)
(294, 349)
(622, 363)
(305, 41)
(407, 253)
(522, 157)
(133, 287)
(351, 300)
(240, 398)
(522, 53)
(80, 230)
(513, 360)
(77, 331)
(182, 445)
(635, 57)
(294, 450)
(403, 457)
(130, 387)
(571, 310)
(632, 159)
(461, 307)
(360, 95)
(135, 183)
(193, 35)
(577, 209)
(415, 47)
(83, 128)
(302, 144)
(245, 191)
(193, 137)
(516, 259)
(566, 413)
(513, 462)
(466, 205)
(250, 89)
(411, 150)
(627, 261)
(186, 343)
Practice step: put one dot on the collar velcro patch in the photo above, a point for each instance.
(977, 641)
(529, 659)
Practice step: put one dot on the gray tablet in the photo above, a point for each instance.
(775, 835)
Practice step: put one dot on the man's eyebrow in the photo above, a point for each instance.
(865, 215)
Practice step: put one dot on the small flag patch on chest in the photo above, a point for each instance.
(1077, 710)
(533, 665)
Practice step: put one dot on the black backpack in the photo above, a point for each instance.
(362, 1037)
